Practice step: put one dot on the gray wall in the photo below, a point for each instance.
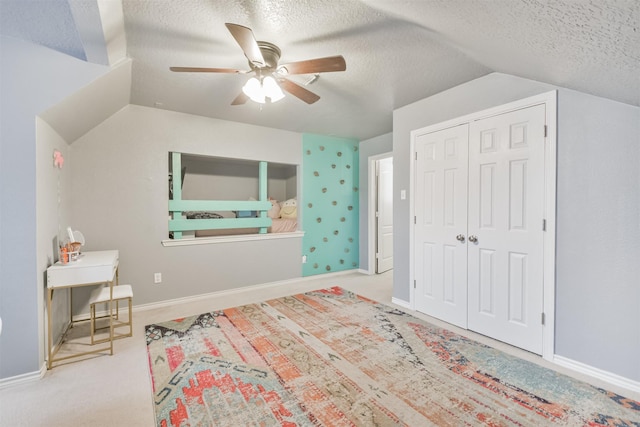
(211, 178)
(215, 178)
(598, 233)
(53, 192)
(598, 213)
(120, 201)
(368, 148)
(33, 79)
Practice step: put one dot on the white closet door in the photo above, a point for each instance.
(505, 232)
(441, 216)
(384, 215)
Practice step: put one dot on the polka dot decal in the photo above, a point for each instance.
(330, 216)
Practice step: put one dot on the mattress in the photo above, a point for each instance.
(279, 225)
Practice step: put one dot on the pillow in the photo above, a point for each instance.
(289, 209)
(274, 212)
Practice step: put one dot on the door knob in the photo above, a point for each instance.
(460, 238)
(473, 239)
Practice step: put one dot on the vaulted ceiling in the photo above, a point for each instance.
(396, 51)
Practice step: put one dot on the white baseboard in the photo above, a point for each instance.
(123, 311)
(401, 303)
(167, 303)
(229, 292)
(600, 374)
(23, 378)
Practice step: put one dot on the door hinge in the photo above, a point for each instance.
(377, 255)
(416, 155)
(415, 221)
(414, 283)
(544, 225)
(542, 318)
(545, 131)
(377, 214)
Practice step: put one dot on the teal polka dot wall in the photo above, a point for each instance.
(330, 211)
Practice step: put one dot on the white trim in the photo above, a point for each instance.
(23, 378)
(371, 215)
(549, 99)
(217, 294)
(600, 374)
(549, 243)
(228, 239)
(362, 271)
(412, 226)
(402, 303)
(122, 311)
(229, 292)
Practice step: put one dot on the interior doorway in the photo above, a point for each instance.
(380, 213)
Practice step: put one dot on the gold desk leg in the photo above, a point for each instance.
(49, 333)
(111, 321)
(111, 312)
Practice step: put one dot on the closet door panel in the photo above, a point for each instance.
(440, 216)
(505, 249)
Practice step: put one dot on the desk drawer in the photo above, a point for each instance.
(93, 267)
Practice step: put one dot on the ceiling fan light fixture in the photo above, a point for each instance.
(253, 89)
(271, 89)
(258, 90)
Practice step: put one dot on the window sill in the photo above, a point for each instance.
(230, 239)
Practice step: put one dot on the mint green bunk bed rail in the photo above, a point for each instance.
(178, 224)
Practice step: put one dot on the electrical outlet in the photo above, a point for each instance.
(304, 259)
(157, 278)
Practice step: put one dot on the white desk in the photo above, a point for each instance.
(91, 268)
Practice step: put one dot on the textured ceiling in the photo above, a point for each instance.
(397, 51)
(591, 46)
(45, 22)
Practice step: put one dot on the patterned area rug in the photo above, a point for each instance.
(333, 358)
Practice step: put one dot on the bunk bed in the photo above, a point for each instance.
(210, 218)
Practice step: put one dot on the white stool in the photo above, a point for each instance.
(101, 295)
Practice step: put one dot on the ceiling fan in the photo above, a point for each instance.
(270, 78)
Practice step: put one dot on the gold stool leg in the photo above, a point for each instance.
(130, 317)
(92, 315)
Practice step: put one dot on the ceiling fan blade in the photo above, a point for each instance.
(246, 40)
(319, 65)
(298, 91)
(240, 99)
(206, 70)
